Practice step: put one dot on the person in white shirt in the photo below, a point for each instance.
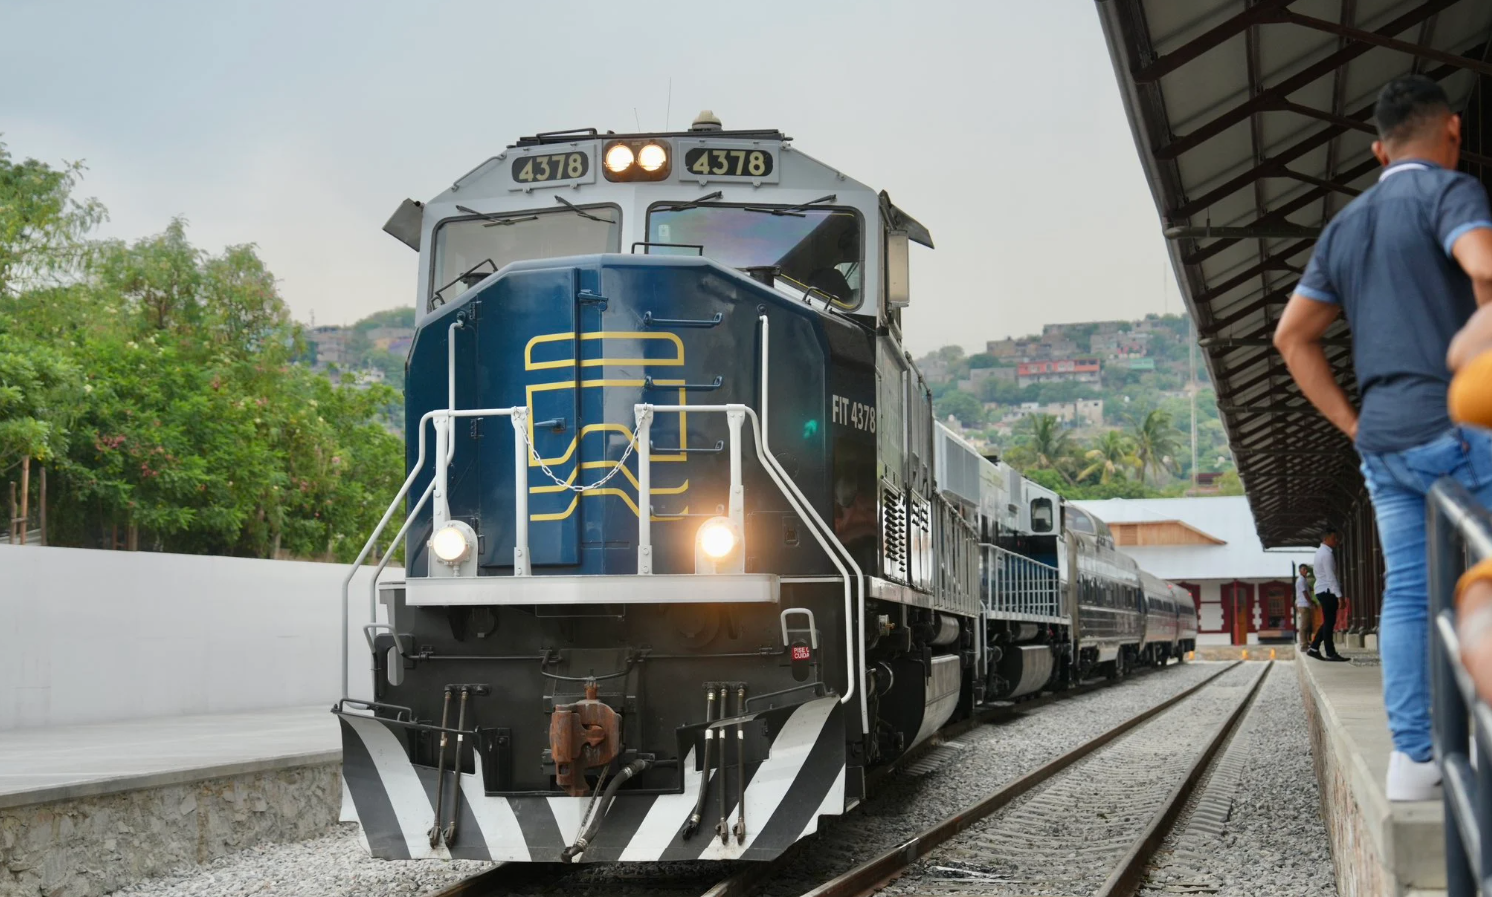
(1328, 591)
(1304, 607)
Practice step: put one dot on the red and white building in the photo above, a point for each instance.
(1209, 547)
(1077, 370)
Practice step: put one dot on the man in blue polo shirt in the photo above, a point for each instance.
(1407, 263)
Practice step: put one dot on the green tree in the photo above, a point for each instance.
(1111, 455)
(43, 228)
(962, 405)
(1229, 484)
(155, 380)
(1156, 441)
(1047, 445)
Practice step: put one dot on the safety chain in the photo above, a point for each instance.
(533, 454)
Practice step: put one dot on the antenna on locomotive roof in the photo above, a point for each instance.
(637, 118)
(668, 107)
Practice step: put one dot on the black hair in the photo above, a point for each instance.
(1405, 104)
(1329, 532)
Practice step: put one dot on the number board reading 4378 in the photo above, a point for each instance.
(551, 167)
(729, 163)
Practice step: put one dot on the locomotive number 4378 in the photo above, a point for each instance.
(855, 414)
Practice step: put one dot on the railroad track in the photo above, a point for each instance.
(714, 879)
(1089, 822)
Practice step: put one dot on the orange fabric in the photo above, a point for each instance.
(1480, 571)
(1470, 397)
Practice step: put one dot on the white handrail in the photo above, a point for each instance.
(442, 418)
(804, 509)
(833, 539)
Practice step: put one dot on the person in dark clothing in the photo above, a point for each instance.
(1328, 592)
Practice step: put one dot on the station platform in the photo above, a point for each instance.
(1379, 849)
(85, 810)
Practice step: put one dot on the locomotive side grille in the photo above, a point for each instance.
(893, 534)
(920, 542)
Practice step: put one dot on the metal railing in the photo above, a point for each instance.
(1019, 588)
(1459, 529)
(956, 573)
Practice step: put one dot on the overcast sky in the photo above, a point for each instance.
(299, 126)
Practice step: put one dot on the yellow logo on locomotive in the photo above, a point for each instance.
(569, 366)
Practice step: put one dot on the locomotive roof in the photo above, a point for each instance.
(570, 136)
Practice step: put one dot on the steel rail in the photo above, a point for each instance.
(1130, 873)
(869, 876)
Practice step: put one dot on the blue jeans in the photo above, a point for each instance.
(1397, 483)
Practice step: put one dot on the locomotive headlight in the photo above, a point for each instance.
(718, 538)
(451, 545)
(652, 157)
(619, 158)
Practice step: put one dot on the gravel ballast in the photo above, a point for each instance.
(995, 754)
(337, 864)
(1272, 839)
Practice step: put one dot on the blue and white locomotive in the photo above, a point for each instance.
(686, 552)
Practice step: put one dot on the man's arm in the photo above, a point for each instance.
(1473, 252)
(1298, 337)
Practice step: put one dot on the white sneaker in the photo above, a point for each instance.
(1408, 780)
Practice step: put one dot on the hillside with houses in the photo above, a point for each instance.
(1098, 408)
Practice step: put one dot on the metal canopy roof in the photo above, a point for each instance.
(1253, 123)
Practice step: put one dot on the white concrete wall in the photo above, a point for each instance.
(93, 636)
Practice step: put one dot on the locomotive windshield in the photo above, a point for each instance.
(462, 244)
(812, 247)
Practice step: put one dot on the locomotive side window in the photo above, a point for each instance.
(1041, 515)
(811, 246)
(464, 243)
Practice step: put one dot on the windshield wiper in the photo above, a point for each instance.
(496, 221)
(794, 211)
(693, 203)
(582, 212)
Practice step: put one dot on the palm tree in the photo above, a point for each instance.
(1048, 445)
(1155, 442)
(1110, 455)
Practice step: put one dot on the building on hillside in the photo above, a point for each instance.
(934, 369)
(1059, 347)
(1154, 325)
(1006, 374)
(1005, 348)
(1209, 546)
(330, 344)
(1128, 342)
(1088, 412)
(1081, 413)
(383, 337)
(1076, 370)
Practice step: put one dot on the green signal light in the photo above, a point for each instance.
(810, 429)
